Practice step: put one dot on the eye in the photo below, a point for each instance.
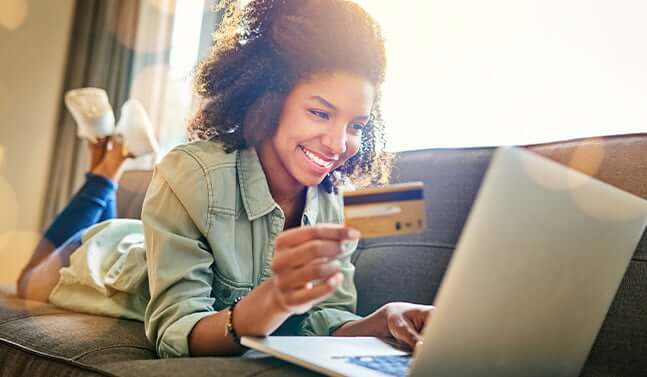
(320, 114)
(357, 126)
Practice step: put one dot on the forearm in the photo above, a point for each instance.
(256, 315)
(371, 325)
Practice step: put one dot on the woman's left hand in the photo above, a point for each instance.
(400, 320)
(405, 321)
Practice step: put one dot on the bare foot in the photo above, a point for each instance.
(98, 151)
(113, 160)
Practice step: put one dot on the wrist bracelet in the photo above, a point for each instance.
(229, 329)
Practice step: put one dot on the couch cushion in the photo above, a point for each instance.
(38, 339)
(619, 160)
(386, 267)
(452, 178)
(397, 281)
(63, 339)
(410, 268)
(16, 360)
(621, 345)
(208, 366)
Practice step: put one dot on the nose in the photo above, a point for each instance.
(335, 139)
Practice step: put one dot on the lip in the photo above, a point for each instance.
(315, 167)
(322, 156)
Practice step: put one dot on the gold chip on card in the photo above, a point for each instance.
(387, 210)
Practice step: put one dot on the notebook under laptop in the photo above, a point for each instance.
(538, 263)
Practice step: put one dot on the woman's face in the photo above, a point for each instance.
(320, 127)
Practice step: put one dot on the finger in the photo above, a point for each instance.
(417, 318)
(297, 236)
(404, 331)
(317, 293)
(421, 318)
(300, 277)
(426, 316)
(305, 253)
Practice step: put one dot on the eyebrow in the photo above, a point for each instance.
(332, 107)
(324, 102)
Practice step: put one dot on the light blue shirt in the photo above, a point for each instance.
(209, 225)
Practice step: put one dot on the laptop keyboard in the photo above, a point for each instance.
(392, 365)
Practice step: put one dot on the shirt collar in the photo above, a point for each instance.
(256, 196)
(311, 209)
(257, 199)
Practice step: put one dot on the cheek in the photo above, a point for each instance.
(297, 128)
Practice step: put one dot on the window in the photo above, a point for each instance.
(470, 73)
(185, 44)
(171, 38)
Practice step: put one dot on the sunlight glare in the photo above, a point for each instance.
(472, 73)
(13, 13)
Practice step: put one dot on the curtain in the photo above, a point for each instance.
(112, 43)
(99, 56)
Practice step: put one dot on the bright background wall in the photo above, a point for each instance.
(470, 72)
(34, 38)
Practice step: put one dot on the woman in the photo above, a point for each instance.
(242, 228)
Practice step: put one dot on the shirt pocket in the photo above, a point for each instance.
(230, 242)
(225, 291)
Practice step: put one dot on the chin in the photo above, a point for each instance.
(311, 180)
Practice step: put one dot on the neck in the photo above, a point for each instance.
(284, 188)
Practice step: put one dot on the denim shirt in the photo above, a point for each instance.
(209, 225)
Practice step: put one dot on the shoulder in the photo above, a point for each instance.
(201, 174)
(194, 162)
(205, 155)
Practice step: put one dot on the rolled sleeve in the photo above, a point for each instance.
(180, 272)
(327, 316)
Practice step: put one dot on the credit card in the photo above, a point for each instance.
(387, 210)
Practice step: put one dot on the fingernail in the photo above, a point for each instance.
(354, 234)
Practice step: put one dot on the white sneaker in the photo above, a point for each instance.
(92, 112)
(136, 129)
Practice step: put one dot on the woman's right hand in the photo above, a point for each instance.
(305, 268)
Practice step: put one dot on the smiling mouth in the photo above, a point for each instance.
(318, 161)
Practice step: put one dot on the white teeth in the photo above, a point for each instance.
(316, 159)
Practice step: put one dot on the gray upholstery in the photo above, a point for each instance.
(387, 269)
(39, 339)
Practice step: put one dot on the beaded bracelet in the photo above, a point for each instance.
(229, 329)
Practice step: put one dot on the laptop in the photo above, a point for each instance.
(538, 263)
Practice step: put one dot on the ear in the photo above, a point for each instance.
(262, 117)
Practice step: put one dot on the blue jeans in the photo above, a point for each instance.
(92, 204)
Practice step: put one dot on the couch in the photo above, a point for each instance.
(38, 339)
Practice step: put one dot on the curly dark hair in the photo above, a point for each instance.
(263, 50)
